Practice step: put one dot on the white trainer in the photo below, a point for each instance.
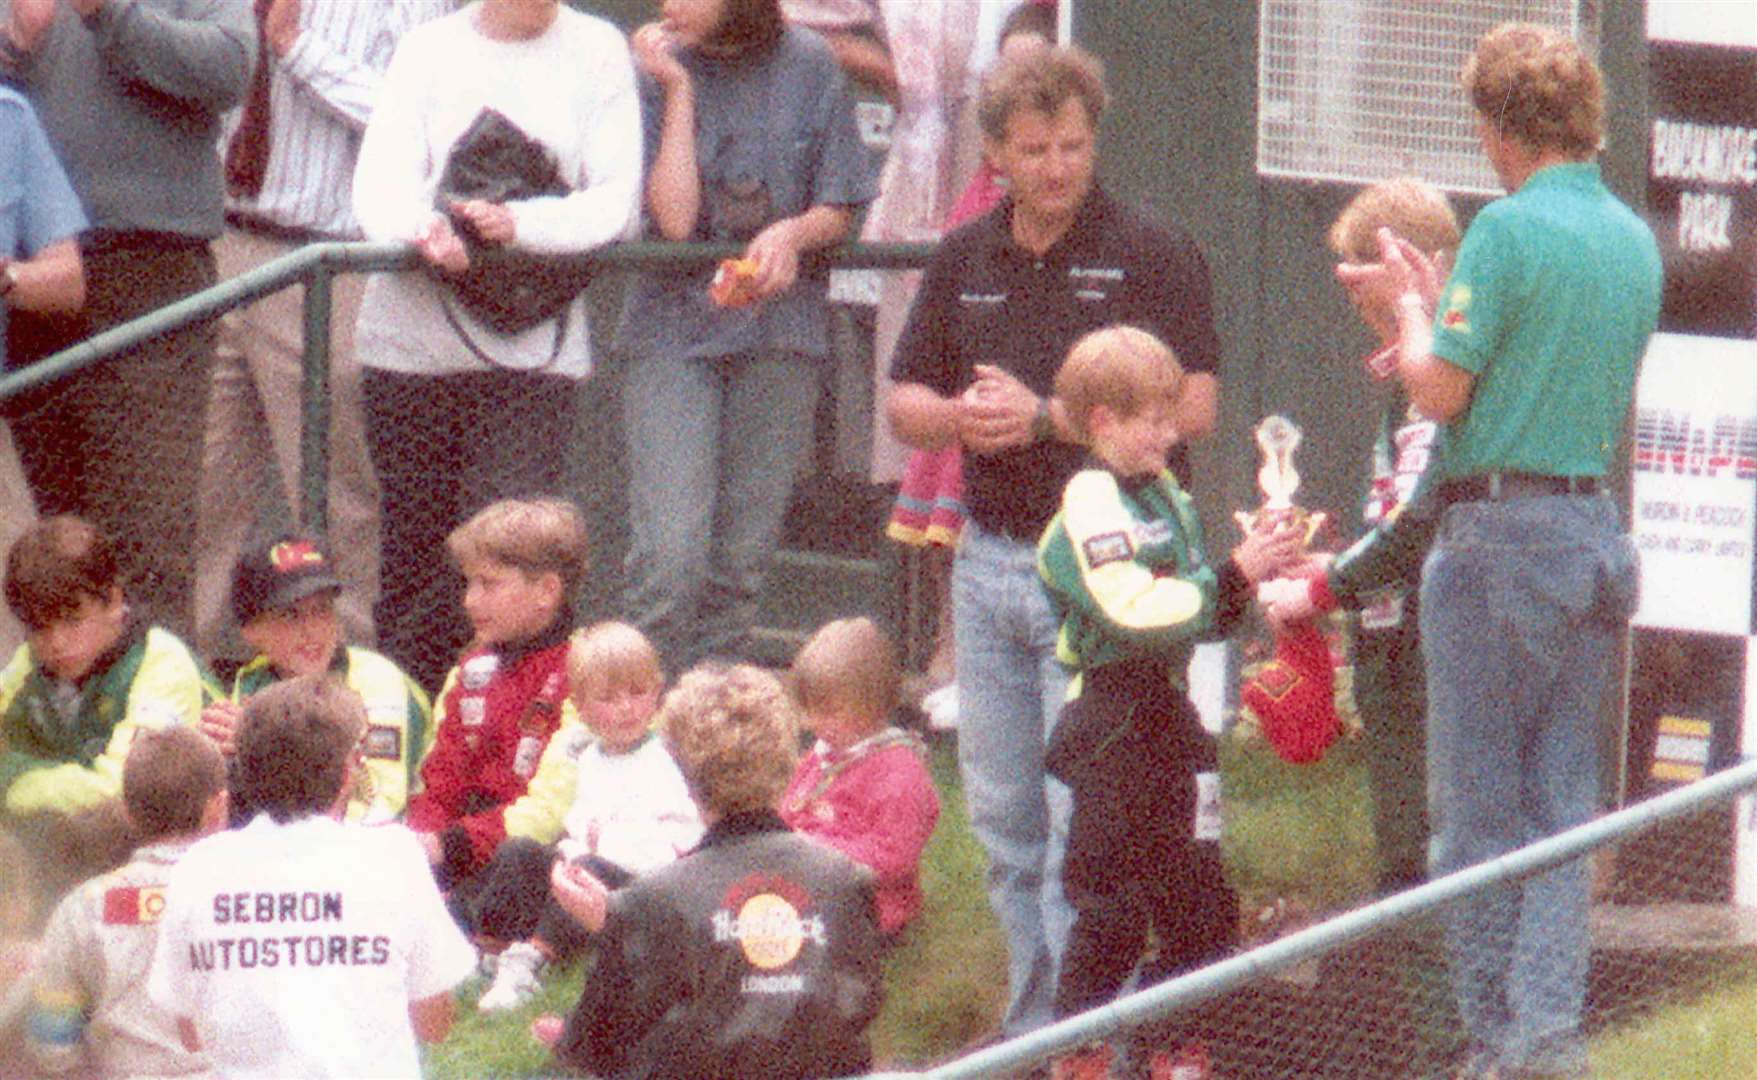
(516, 980)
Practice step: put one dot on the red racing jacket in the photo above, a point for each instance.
(495, 770)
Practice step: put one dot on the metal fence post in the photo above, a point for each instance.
(315, 403)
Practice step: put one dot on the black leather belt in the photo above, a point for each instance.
(1515, 485)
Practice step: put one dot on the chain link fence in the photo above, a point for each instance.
(1363, 989)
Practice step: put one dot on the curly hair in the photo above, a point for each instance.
(1042, 80)
(735, 734)
(1538, 86)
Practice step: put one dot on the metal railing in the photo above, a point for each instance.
(315, 265)
(1328, 937)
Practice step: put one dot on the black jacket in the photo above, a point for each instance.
(755, 956)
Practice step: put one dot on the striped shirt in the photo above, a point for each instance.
(321, 95)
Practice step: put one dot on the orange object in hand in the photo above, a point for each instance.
(734, 284)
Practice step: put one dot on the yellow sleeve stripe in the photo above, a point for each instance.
(1100, 530)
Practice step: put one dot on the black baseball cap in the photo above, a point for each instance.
(279, 573)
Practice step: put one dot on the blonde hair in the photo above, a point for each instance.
(734, 732)
(1538, 86)
(611, 656)
(536, 536)
(1413, 209)
(849, 666)
(1041, 80)
(1124, 368)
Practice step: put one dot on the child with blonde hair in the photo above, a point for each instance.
(754, 956)
(864, 789)
(631, 812)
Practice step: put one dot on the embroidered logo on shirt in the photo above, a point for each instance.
(769, 917)
(1457, 302)
(1108, 548)
(384, 742)
(133, 905)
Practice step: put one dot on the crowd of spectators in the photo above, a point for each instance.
(547, 796)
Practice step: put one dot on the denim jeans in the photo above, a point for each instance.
(1524, 603)
(714, 446)
(1010, 690)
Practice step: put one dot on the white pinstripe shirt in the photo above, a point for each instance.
(321, 95)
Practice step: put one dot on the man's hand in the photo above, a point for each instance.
(219, 722)
(493, 221)
(281, 26)
(580, 894)
(1411, 269)
(30, 18)
(998, 412)
(440, 245)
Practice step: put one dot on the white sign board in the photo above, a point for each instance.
(1695, 483)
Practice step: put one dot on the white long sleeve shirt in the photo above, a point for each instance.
(631, 808)
(572, 89)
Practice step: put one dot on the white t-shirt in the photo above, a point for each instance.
(633, 808)
(296, 949)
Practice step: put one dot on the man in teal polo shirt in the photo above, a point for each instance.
(1530, 361)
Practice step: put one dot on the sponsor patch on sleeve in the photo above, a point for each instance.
(384, 742)
(1108, 548)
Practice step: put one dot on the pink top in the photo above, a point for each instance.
(875, 803)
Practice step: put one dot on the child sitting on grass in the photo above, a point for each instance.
(303, 945)
(284, 595)
(490, 774)
(90, 1008)
(88, 680)
(631, 812)
(864, 789)
(755, 956)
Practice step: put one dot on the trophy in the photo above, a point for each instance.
(1278, 437)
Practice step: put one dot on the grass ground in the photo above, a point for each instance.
(1297, 832)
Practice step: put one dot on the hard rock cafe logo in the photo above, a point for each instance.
(290, 555)
(770, 919)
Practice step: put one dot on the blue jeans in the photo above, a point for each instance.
(1523, 606)
(713, 448)
(1010, 690)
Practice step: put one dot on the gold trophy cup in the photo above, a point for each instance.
(1278, 437)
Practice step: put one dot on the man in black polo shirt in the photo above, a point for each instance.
(999, 307)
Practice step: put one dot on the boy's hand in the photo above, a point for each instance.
(219, 722)
(1262, 554)
(1286, 601)
(580, 895)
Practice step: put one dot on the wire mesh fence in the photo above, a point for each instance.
(1377, 988)
(1363, 90)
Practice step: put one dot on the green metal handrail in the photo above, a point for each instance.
(316, 265)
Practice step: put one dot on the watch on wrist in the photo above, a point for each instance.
(1042, 424)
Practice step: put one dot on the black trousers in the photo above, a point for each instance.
(1133, 862)
(445, 446)
(120, 443)
(511, 900)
